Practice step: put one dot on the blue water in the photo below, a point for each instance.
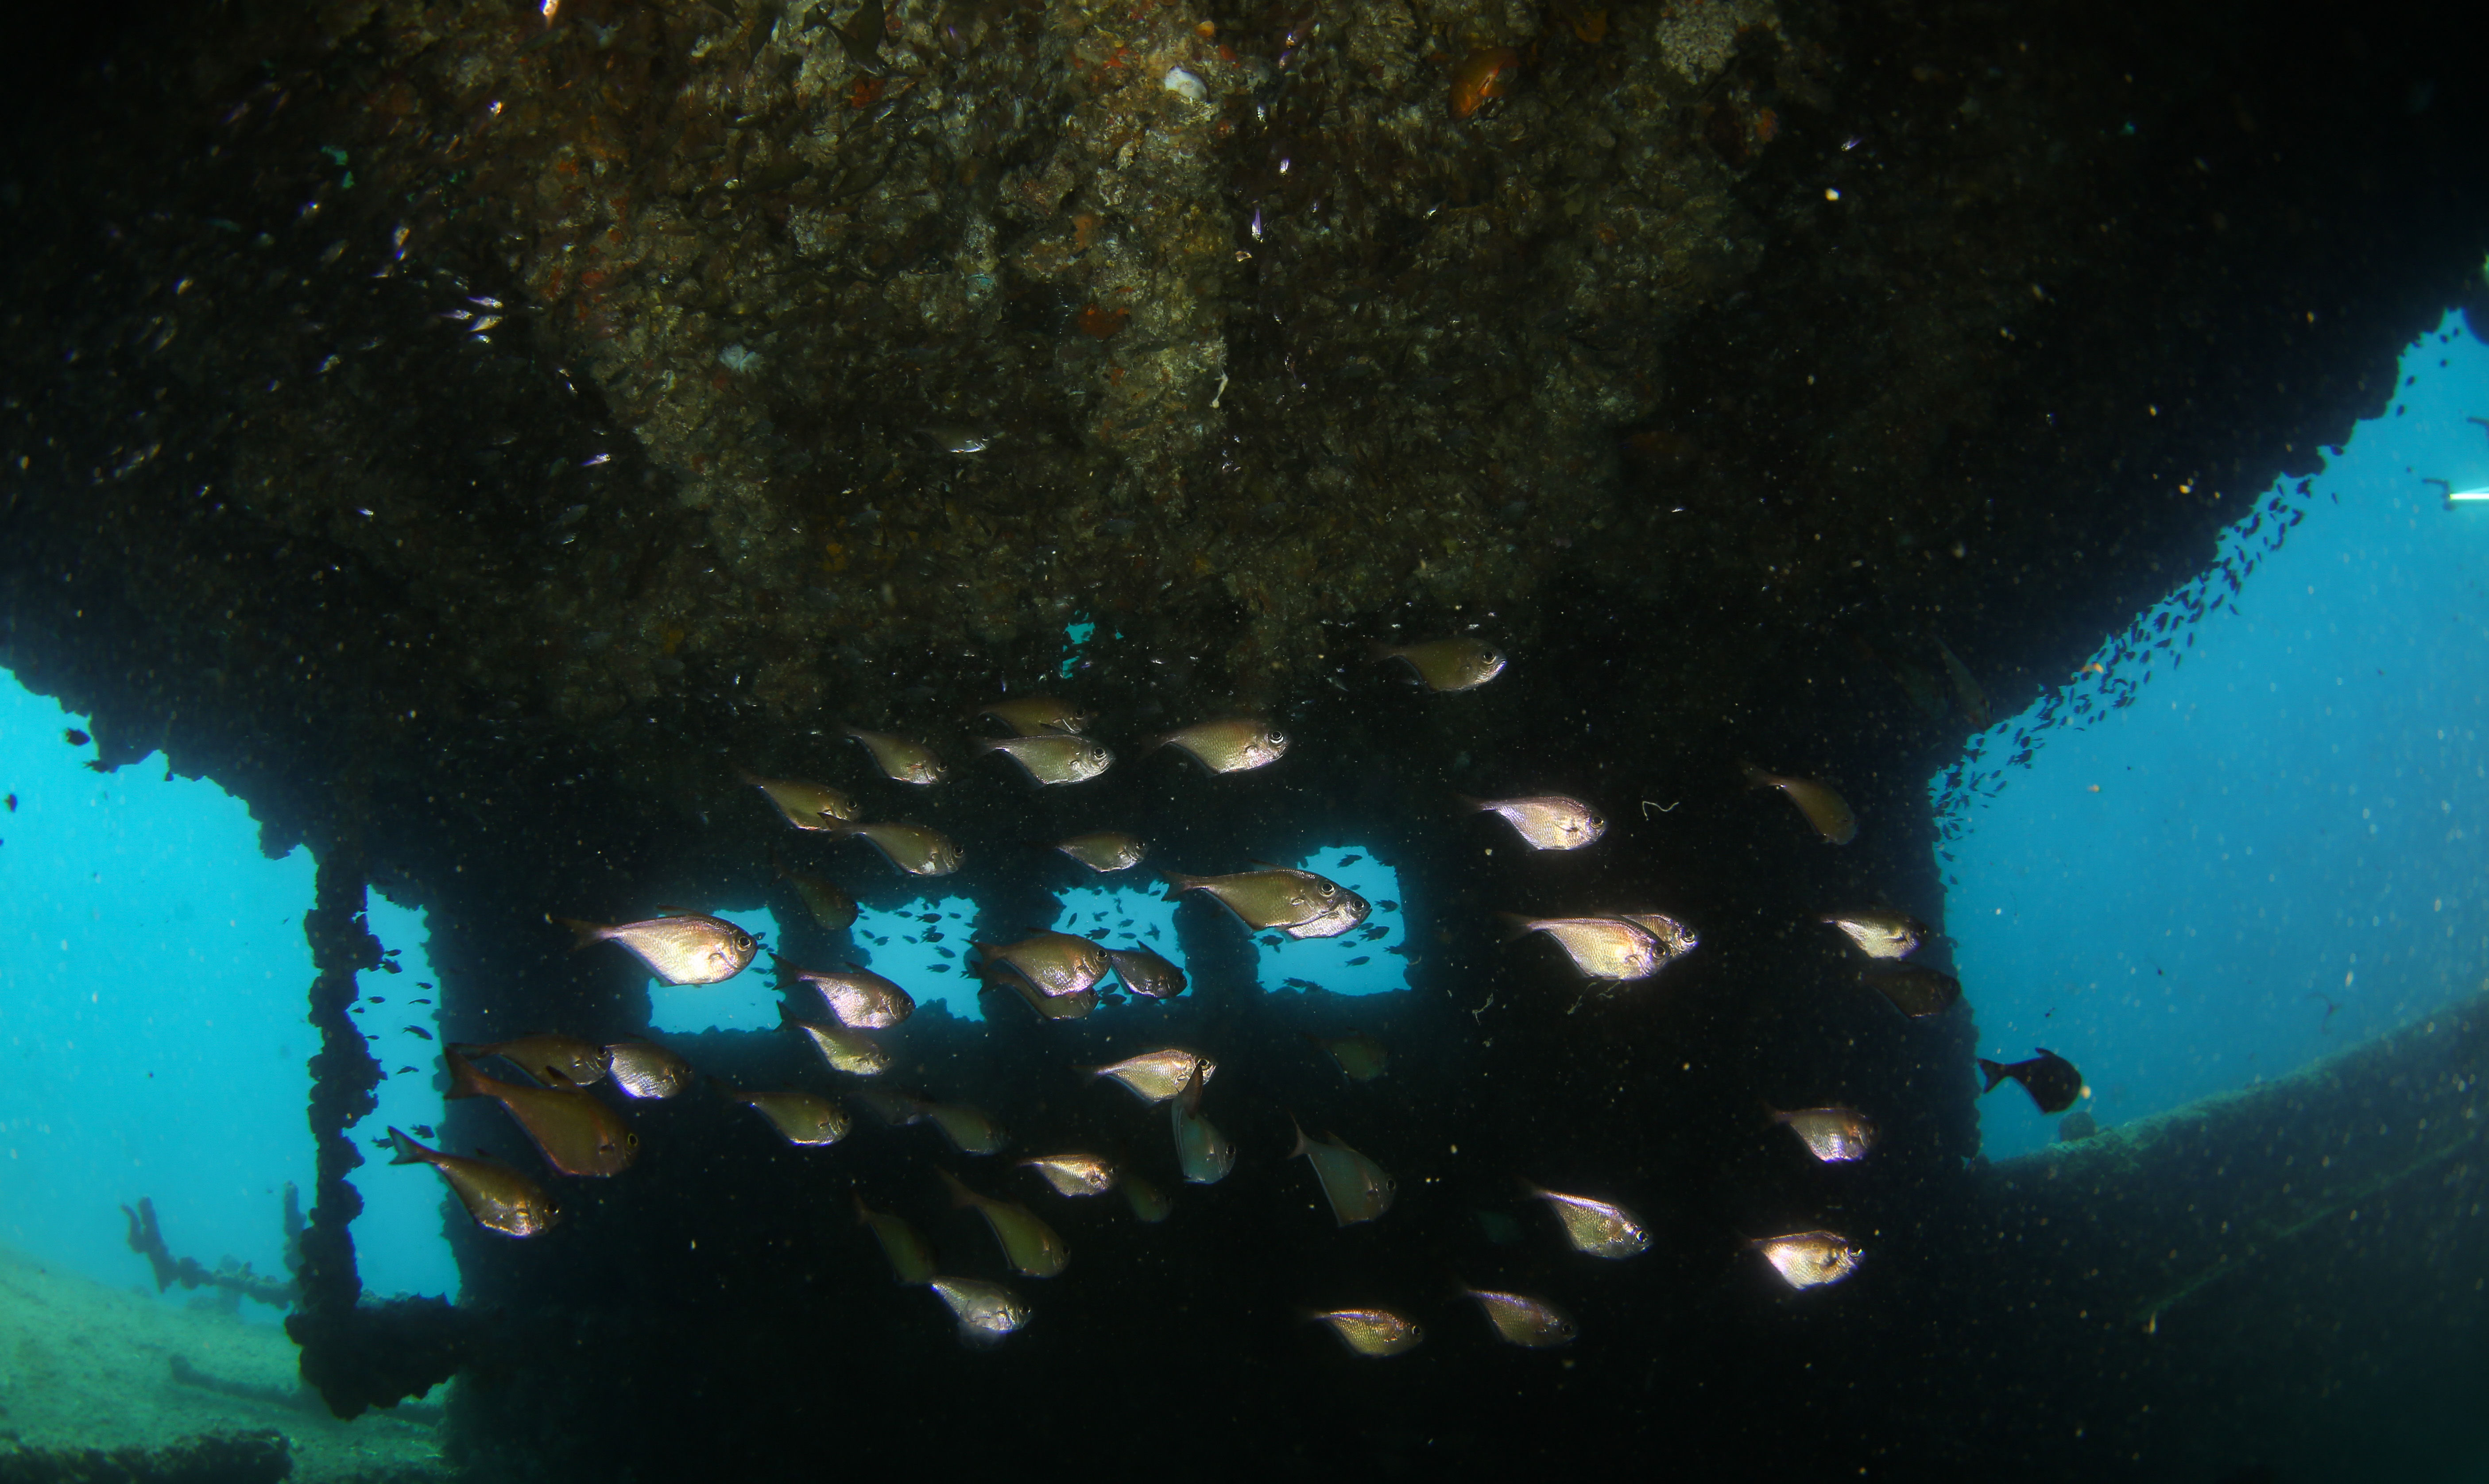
(2262, 842)
(153, 979)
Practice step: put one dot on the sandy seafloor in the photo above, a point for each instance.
(83, 1365)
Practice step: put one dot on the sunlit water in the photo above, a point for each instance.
(2255, 836)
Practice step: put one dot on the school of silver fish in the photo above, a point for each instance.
(1060, 975)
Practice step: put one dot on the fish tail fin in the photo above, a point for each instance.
(961, 1197)
(1773, 1115)
(1377, 651)
(1996, 1075)
(1756, 778)
(408, 1151)
(1177, 883)
(1468, 805)
(463, 1080)
(1303, 1143)
(1149, 744)
(864, 1213)
(582, 934)
(723, 1088)
(1530, 1187)
(778, 864)
(1512, 925)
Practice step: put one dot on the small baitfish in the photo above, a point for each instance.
(1595, 1227)
(1833, 1135)
(1232, 746)
(1053, 759)
(1916, 992)
(1373, 1333)
(1296, 903)
(1029, 1245)
(549, 1056)
(1547, 821)
(1823, 809)
(1602, 948)
(911, 1259)
(830, 906)
(1202, 1152)
(1149, 1203)
(500, 1198)
(1145, 973)
(799, 1117)
(2050, 1079)
(1104, 851)
(577, 1134)
(986, 1311)
(857, 998)
(1036, 716)
(643, 1068)
(678, 947)
(1057, 963)
(1073, 1174)
(1447, 664)
(899, 759)
(1879, 933)
(806, 806)
(970, 1130)
(1534, 1324)
(1810, 1259)
(1154, 1076)
(1361, 1057)
(911, 847)
(853, 1052)
(1357, 1188)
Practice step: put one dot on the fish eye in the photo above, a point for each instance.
(1327, 889)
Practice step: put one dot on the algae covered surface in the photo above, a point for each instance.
(86, 1366)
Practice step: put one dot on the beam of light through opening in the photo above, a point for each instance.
(2252, 837)
(923, 947)
(153, 982)
(400, 1242)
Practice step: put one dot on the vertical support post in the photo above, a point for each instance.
(357, 1354)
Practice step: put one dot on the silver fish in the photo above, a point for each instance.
(1104, 851)
(1053, 759)
(1547, 821)
(1595, 1227)
(1228, 746)
(911, 847)
(1204, 1153)
(1356, 1186)
(1833, 1135)
(986, 1311)
(1154, 1076)
(1373, 1333)
(859, 998)
(1879, 933)
(901, 759)
(1145, 973)
(1810, 1259)
(1521, 1320)
(678, 947)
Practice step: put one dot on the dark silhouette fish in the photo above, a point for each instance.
(2050, 1079)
